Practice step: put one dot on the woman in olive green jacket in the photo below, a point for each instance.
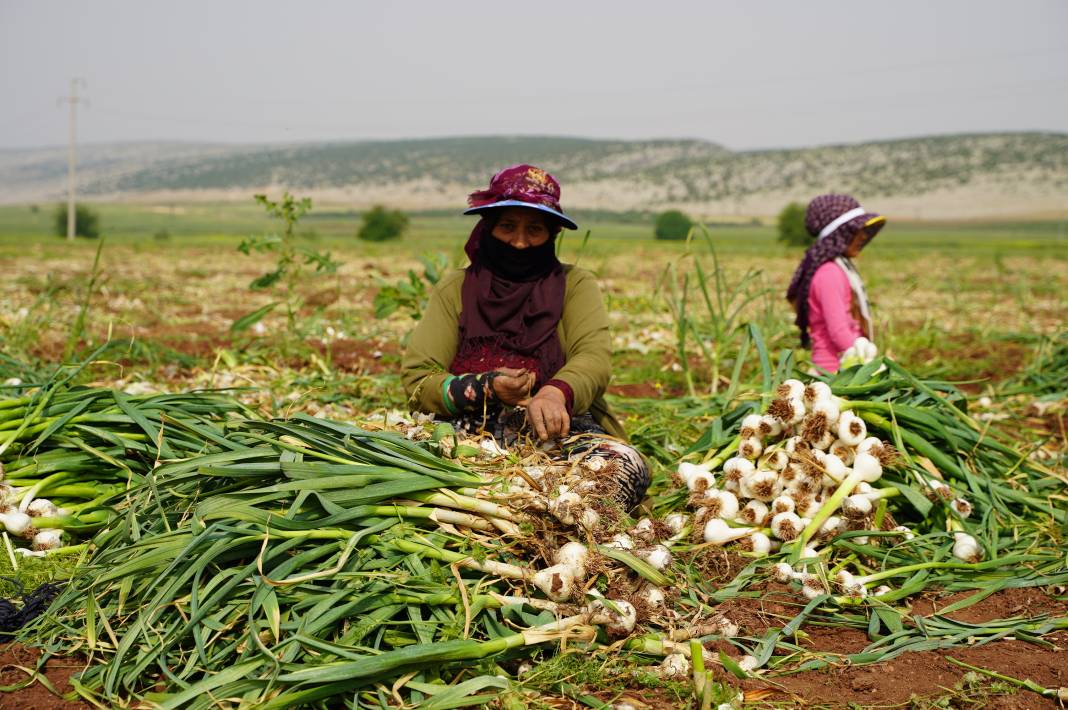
(517, 342)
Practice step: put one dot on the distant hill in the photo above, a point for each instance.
(945, 176)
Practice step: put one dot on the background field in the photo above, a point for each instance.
(977, 302)
(968, 300)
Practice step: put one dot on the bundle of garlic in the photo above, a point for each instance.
(804, 470)
(798, 476)
(813, 478)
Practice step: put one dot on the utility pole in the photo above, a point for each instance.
(73, 100)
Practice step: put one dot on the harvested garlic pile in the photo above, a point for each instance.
(803, 472)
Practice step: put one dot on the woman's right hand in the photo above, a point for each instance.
(513, 385)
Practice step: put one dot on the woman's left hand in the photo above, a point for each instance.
(547, 413)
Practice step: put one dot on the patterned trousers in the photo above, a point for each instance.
(587, 439)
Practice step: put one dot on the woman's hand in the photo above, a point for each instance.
(547, 413)
(512, 386)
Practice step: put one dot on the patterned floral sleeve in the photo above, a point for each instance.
(466, 394)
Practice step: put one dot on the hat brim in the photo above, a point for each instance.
(873, 224)
(563, 218)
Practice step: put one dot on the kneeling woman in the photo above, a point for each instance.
(517, 343)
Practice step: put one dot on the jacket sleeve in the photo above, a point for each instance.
(432, 346)
(588, 345)
(830, 288)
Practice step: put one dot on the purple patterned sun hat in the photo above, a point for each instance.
(521, 186)
(827, 214)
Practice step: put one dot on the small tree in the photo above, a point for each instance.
(86, 222)
(288, 272)
(381, 224)
(792, 230)
(673, 224)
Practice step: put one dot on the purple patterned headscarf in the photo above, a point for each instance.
(525, 183)
(833, 220)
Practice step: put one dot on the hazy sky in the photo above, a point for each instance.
(745, 74)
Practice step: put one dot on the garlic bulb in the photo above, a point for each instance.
(48, 539)
(962, 506)
(556, 582)
(851, 428)
(856, 506)
(831, 527)
(762, 486)
(757, 543)
(15, 521)
(829, 408)
(782, 572)
(835, 467)
(676, 522)
(754, 513)
(700, 481)
(844, 451)
(775, 460)
(589, 518)
(816, 392)
(652, 595)
(565, 506)
(675, 666)
(770, 426)
(644, 530)
(717, 532)
(721, 504)
(736, 467)
(41, 507)
(791, 388)
(811, 586)
(574, 556)
(867, 468)
(871, 443)
(687, 470)
(751, 425)
(965, 548)
(658, 556)
(904, 532)
(617, 623)
(621, 542)
(786, 526)
(782, 504)
(748, 663)
(824, 442)
(750, 447)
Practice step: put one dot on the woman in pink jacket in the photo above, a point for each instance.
(826, 290)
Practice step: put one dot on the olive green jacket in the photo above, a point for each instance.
(583, 332)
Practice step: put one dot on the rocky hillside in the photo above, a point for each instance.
(944, 176)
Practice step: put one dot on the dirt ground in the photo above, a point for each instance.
(920, 674)
(906, 679)
(17, 662)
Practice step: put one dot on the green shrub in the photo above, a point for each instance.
(792, 226)
(673, 225)
(86, 222)
(381, 224)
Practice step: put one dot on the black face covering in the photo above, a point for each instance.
(513, 264)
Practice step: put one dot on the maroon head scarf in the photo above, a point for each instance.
(499, 315)
(833, 220)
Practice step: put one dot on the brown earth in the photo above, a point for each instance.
(638, 390)
(996, 360)
(16, 657)
(894, 683)
(921, 674)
